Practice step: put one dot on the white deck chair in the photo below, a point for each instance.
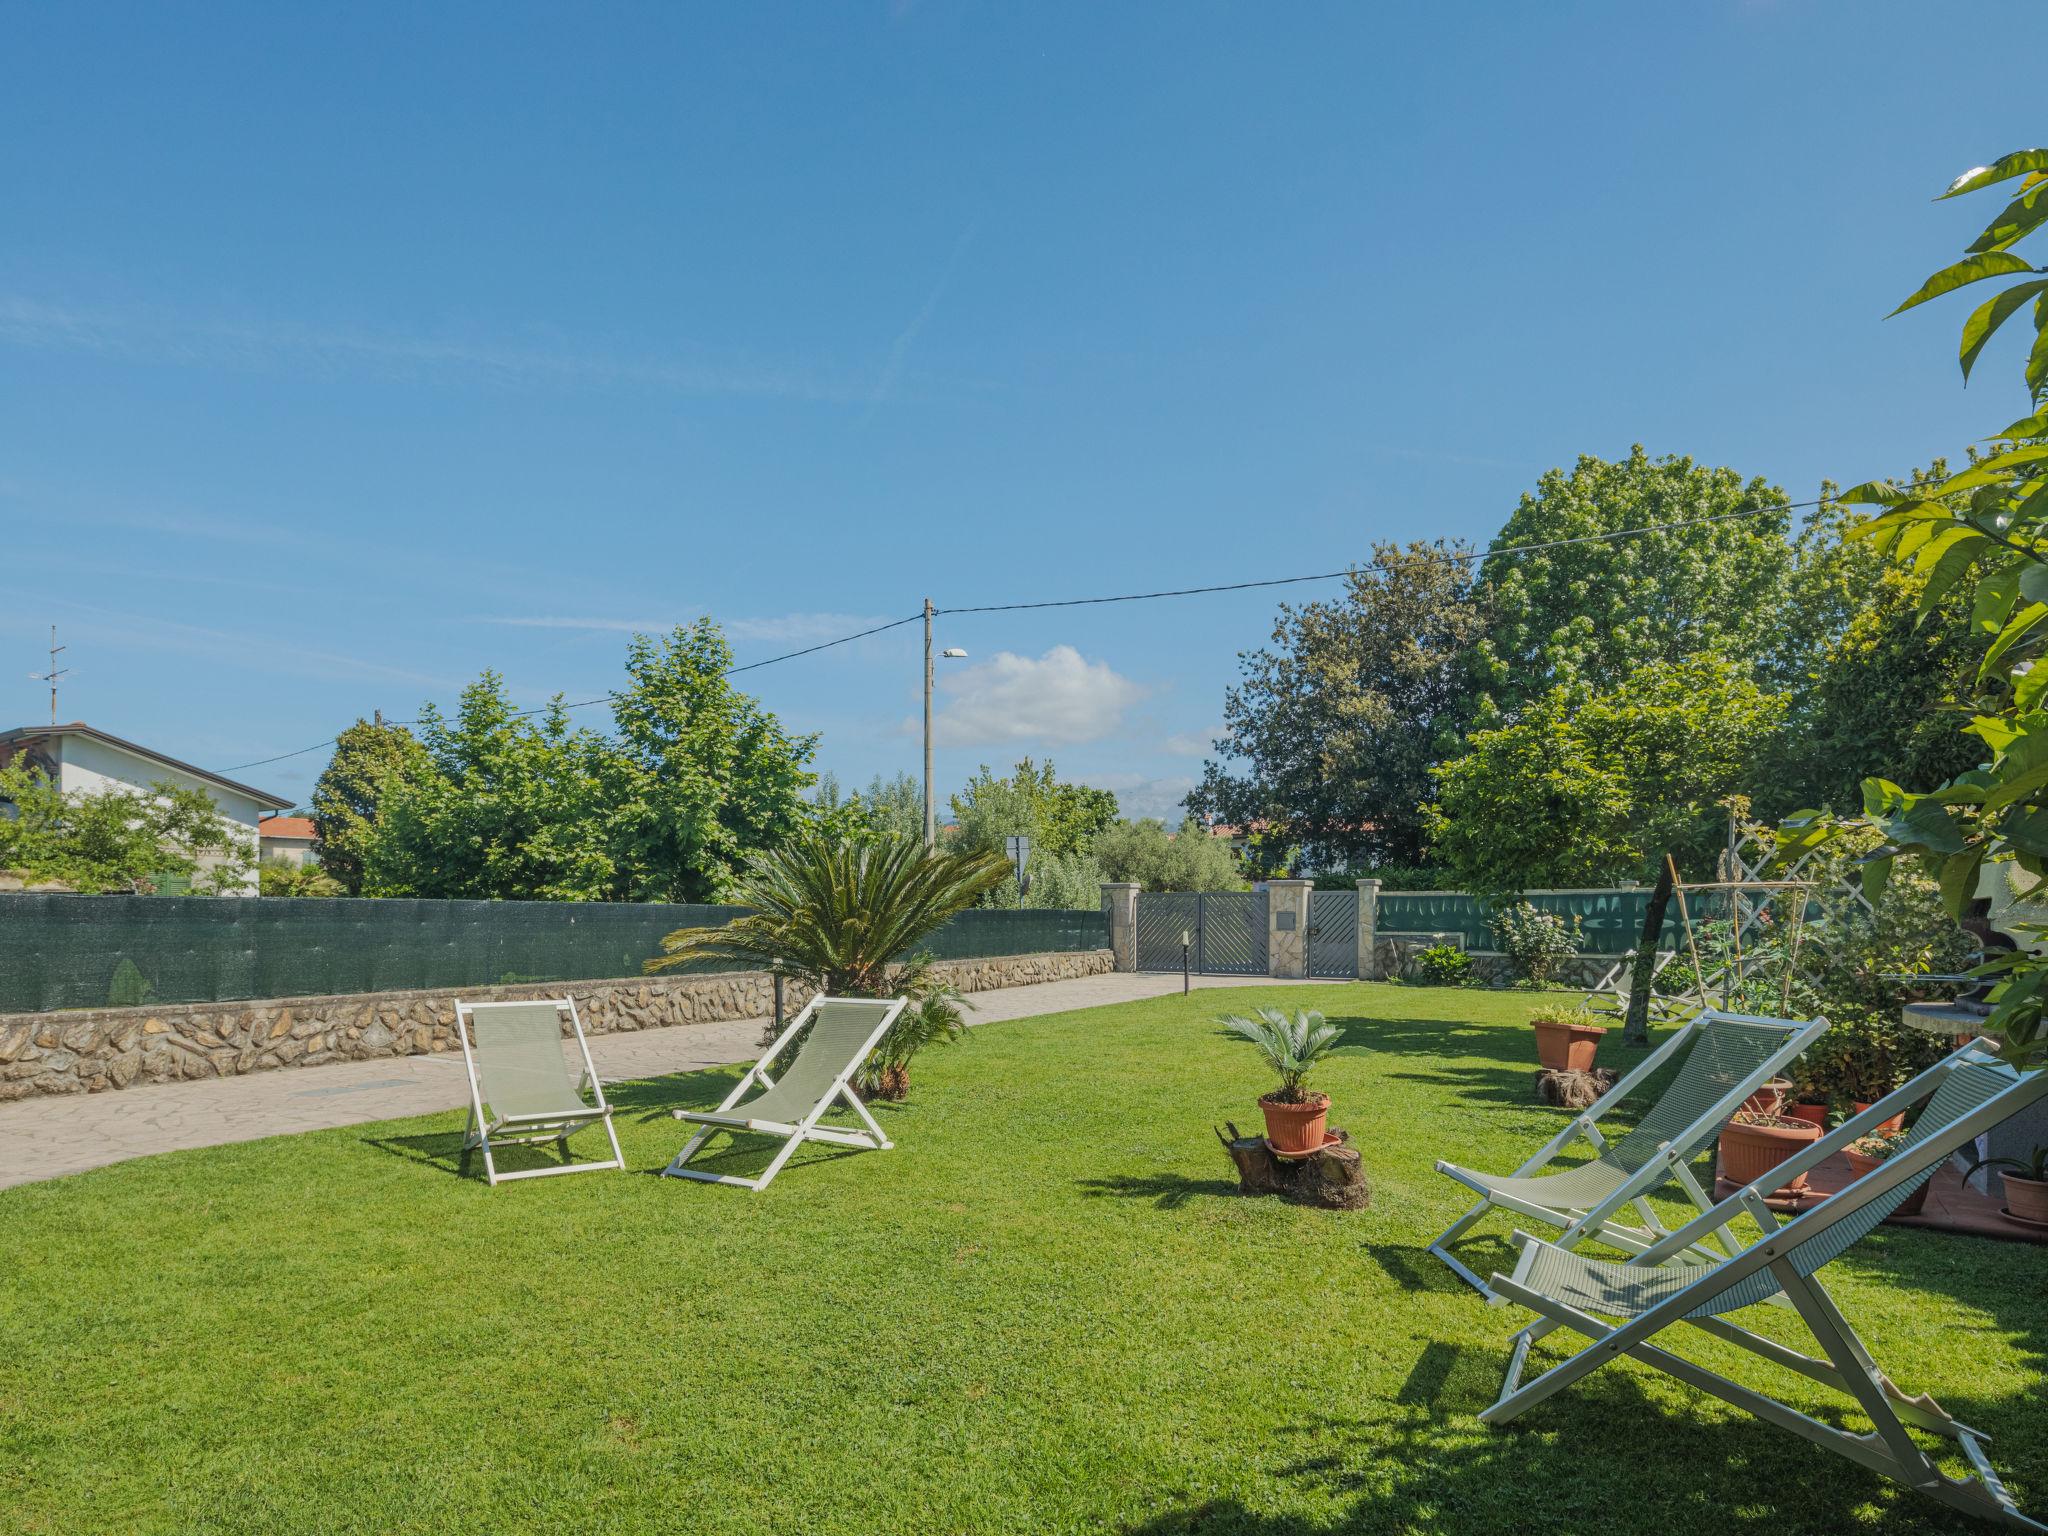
(1728, 1057)
(521, 1091)
(1646, 1295)
(841, 1033)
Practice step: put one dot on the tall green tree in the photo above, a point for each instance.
(1985, 531)
(367, 757)
(1188, 859)
(499, 806)
(1060, 818)
(494, 802)
(1588, 614)
(1869, 673)
(700, 777)
(1589, 788)
(1331, 732)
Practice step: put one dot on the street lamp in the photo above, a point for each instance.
(952, 652)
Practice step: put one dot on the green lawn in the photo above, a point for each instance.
(1046, 1311)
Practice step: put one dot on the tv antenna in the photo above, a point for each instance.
(53, 674)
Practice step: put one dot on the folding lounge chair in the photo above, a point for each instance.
(520, 1089)
(1646, 1295)
(1728, 1057)
(842, 1031)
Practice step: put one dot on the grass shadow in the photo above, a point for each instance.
(1420, 1462)
(1417, 1269)
(1166, 1191)
(445, 1152)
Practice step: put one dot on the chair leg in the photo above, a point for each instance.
(689, 1150)
(882, 1141)
(775, 1163)
(1457, 1229)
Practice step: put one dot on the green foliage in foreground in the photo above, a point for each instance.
(115, 839)
(1048, 1311)
(1983, 532)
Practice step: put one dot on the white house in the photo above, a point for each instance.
(82, 758)
(288, 840)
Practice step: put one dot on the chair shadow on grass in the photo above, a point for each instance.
(1417, 1269)
(1167, 1191)
(443, 1151)
(1602, 1455)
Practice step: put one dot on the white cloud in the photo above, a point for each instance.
(1057, 700)
(1138, 796)
(1192, 743)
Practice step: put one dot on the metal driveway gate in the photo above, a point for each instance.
(1333, 933)
(1233, 933)
(1226, 931)
(1163, 916)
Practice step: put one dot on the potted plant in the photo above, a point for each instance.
(1567, 1039)
(1807, 1098)
(1769, 1099)
(1753, 1143)
(2026, 1184)
(1865, 1153)
(1295, 1117)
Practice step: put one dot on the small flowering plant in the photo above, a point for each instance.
(1879, 1147)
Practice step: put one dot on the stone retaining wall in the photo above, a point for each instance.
(86, 1050)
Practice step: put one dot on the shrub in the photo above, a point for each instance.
(1577, 1018)
(1536, 943)
(1444, 965)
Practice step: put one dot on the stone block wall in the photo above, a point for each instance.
(87, 1050)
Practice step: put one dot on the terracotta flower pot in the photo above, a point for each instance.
(1748, 1152)
(1769, 1099)
(2027, 1198)
(1567, 1047)
(1808, 1109)
(1296, 1128)
(1884, 1127)
(1910, 1206)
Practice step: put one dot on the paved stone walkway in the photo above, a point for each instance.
(43, 1138)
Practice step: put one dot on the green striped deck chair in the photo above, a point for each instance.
(1727, 1057)
(1629, 1308)
(837, 1033)
(522, 1091)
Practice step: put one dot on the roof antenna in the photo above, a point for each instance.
(53, 674)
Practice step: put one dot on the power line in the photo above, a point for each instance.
(606, 698)
(1380, 565)
(1138, 597)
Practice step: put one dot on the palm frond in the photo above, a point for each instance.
(837, 914)
(1291, 1044)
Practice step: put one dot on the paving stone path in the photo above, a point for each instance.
(44, 1138)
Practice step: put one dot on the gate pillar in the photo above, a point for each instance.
(1120, 905)
(1368, 930)
(1287, 927)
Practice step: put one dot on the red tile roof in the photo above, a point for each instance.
(286, 826)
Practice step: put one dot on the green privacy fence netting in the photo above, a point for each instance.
(125, 951)
(1610, 922)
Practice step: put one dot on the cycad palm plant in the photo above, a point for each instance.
(1291, 1046)
(845, 916)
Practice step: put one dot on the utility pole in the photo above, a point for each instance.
(53, 674)
(931, 816)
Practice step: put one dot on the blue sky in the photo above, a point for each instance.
(346, 353)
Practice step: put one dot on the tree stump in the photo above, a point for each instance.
(1573, 1090)
(1332, 1179)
